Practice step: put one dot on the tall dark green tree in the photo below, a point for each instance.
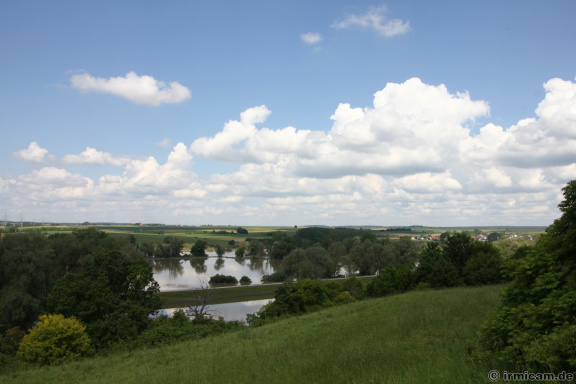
(172, 247)
(485, 266)
(336, 252)
(220, 250)
(363, 256)
(199, 248)
(282, 245)
(459, 247)
(25, 277)
(435, 269)
(535, 327)
(114, 297)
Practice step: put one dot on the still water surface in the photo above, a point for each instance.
(190, 272)
(230, 311)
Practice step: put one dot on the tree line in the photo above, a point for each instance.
(102, 281)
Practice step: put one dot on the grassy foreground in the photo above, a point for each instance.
(417, 337)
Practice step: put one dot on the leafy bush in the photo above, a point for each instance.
(296, 298)
(535, 327)
(223, 279)
(179, 327)
(55, 340)
(354, 287)
(11, 341)
(484, 267)
(240, 251)
(393, 279)
(333, 288)
(275, 277)
(245, 280)
(343, 298)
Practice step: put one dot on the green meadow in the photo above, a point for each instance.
(417, 337)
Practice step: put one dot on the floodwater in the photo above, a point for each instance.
(184, 273)
(230, 311)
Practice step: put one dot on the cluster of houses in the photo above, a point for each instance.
(481, 237)
(426, 237)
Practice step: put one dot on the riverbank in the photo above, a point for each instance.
(220, 295)
(223, 295)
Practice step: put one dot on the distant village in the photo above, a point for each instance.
(480, 237)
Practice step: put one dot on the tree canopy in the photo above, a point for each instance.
(113, 297)
(199, 248)
(31, 263)
(535, 326)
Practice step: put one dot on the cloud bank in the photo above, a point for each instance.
(138, 89)
(409, 158)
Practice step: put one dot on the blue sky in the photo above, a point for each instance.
(287, 112)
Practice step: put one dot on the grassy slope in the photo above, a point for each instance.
(418, 337)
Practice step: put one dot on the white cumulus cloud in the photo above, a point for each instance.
(376, 20)
(93, 156)
(34, 153)
(139, 89)
(413, 127)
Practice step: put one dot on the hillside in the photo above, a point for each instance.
(417, 337)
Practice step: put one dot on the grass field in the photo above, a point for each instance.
(190, 234)
(214, 234)
(417, 337)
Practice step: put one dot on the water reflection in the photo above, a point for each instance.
(219, 263)
(173, 266)
(199, 265)
(191, 272)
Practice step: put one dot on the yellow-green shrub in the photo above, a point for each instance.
(55, 340)
(343, 298)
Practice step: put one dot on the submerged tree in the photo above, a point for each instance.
(200, 310)
(199, 248)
